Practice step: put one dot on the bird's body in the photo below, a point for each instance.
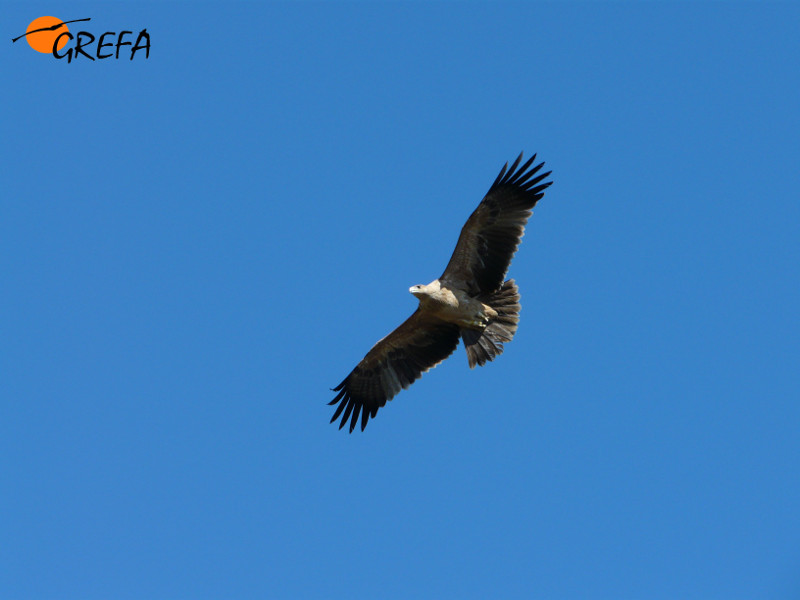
(453, 305)
(470, 301)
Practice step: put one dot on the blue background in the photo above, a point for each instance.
(195, 247)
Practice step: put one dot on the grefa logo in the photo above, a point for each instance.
(50, 35)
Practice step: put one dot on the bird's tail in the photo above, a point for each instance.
(483, 346)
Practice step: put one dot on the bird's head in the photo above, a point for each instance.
(423, 291)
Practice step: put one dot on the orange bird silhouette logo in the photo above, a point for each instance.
(43, 32)
(49, 35)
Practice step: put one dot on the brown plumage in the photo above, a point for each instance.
(471, 301)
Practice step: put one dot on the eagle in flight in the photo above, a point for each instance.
(471, 300)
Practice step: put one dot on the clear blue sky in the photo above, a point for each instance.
(196, 247)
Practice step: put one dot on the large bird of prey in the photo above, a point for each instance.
(471, 301)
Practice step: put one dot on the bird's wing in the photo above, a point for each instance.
(492, 233)
(394, 363)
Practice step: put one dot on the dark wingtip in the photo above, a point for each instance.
(350, 409)
(514, 166)
(499, 176)
(354, 419)
(542, 187)
(527, 164)
(339, 396)
(521, 176)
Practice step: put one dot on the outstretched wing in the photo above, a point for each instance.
(492, 234)
(393, 364)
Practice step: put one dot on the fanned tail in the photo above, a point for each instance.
(486, 345)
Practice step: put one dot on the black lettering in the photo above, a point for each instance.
(79, 45)
(68, 53)
(120, 42)
(100, 45)
(142, 34)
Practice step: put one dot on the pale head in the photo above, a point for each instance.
(422, 291)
